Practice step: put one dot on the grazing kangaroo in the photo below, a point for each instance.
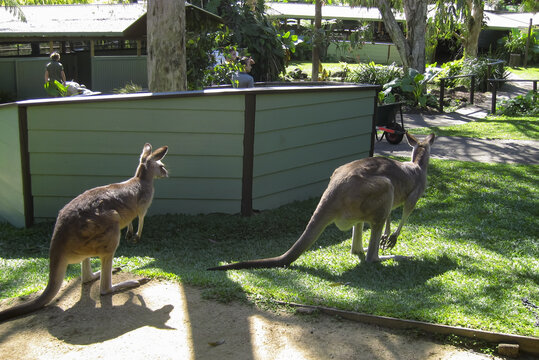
(365, 190)
(90, 225)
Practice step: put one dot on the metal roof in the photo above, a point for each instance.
(494, 20)
(47, 21)
(92, 21)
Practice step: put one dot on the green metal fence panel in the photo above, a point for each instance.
(379, 53)
(114, 72)
(8, 84)
(11, 176)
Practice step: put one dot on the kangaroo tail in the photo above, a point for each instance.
(319, 221)
(56, 278)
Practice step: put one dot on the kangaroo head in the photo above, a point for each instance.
(150, 162)
(421, 149)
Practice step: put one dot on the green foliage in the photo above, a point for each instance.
(290, 41)
(450, 69)
(515, 43)
(129, 88)
(375, 74)
(411, 88)
(254, 31)
(521, 105)
(472, 66)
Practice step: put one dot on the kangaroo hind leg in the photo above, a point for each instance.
(357, 241)
(88, 275)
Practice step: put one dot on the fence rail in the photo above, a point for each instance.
(494, 84)
(442, 88)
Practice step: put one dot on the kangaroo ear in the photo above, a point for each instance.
(146, 151)
(430, 139)
(160, 153)
(411, 140)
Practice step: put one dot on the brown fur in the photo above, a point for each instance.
(90, 225)
(365, 190)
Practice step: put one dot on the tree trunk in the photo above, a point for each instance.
(411, 47)
(316, 39)
(473, 25)
(167, 69)
(416, 21)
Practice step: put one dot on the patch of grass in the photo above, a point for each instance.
(492, 127)
(473, 240)
(530, 73)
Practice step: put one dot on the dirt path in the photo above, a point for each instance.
(165, 320)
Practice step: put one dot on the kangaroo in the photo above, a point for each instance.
(90, 225)
(365, 190)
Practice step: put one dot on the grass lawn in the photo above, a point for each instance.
(473, 240)
(530, 73)
(493, 127)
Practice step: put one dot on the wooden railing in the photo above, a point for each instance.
(442, 88)
(494, 83)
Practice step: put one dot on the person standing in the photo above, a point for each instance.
(54, 71)
(242, 79)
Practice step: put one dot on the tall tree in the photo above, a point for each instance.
(409, 43)
(166, 46)
(473, 13)
(462, 19)
(316, 39)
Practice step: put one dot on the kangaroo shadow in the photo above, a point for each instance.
(90, 321)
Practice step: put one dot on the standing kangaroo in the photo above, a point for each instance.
(365, 190)
(90, 225)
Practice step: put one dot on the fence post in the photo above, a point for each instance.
(489, 71)
(442, 86)
(472, 89)
(493, 102)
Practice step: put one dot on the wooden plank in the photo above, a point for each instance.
(330, 96)
(47, 207)
(298, 177)
(312, 134)
(142, 120)
(272, 120)
(305, 192)
(125, 142)
(292, 158)
(169, 188)
(125, 165)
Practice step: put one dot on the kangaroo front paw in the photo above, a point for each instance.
(133, 238)
(387, 243)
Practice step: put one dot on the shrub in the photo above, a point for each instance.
(128, 88)
(411, 88)
(521, 105)
(515, 43)
(474, 66)
(375, 74)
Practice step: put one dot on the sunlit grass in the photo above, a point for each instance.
(529, 73)
(472, 239)
(493, 127)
